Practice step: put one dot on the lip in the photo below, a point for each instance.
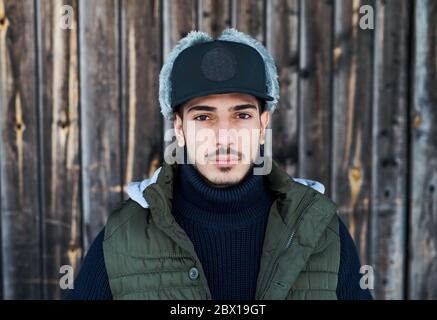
(225, 161)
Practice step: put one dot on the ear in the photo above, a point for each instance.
(178, 125)
(265, 118)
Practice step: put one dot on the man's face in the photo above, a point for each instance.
(222, 134)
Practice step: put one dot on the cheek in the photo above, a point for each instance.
(249, 137)
(255, 143)
(199, 145)
(191, 150)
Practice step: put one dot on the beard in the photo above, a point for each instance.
(225, 170)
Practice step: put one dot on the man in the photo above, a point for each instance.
(227, 222)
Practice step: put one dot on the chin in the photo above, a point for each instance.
(225, 176)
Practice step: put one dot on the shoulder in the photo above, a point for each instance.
(92, 281)
(122, 215)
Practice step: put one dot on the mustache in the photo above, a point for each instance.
(224, 151)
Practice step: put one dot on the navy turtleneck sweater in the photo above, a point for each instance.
(227, 227)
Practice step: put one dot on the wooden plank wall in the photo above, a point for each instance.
(79, 119)
(19, 152)
(423, 154)
(59, 141)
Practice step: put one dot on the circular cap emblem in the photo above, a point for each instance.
(219, 64)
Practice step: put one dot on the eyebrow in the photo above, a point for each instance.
(212, 109)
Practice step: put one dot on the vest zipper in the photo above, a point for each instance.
(303, 205)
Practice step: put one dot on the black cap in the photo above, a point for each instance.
(218, 66)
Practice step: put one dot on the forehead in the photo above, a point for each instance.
(227, 99)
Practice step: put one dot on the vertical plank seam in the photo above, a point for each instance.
(373, 141)
(161, 33)
(121, 96)
(40, 143)
(266, 26)
(299, 87)
(411, 9)
(374, 146)
(79, 116)
(161, 62)
(233, 13)
(331, 99)
(161, 120)
(166, 49)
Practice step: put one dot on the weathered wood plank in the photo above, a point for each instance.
(423, 166)
(215, 15)
(389, 148)
(282, 41)
(60, 159)
(99, 112)
(315, 90)
(351, 121)
(142, 119)
(20, 211)
(180, 17)
(249, 16)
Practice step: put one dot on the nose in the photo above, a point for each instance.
(225, 135)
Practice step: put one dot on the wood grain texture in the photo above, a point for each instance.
(215, 16)
(249, 16)
(99, 112)
(59, 112)
(389, 148)
(20, 201)
(180, 18)
(423, 170)
(141, 61)
(315, 90)
(283, 43)
(351, 120)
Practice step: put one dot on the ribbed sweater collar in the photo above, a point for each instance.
(203, 202)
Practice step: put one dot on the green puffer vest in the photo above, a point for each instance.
(149, 256)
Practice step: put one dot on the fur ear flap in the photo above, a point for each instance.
(272, 83)
(192, 38)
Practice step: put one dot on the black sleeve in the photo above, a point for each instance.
(348, 286)
(92, 282)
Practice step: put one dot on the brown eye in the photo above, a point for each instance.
(201, 117)
(244, 116)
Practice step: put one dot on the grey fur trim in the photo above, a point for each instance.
(229, 34)
(192, 38)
